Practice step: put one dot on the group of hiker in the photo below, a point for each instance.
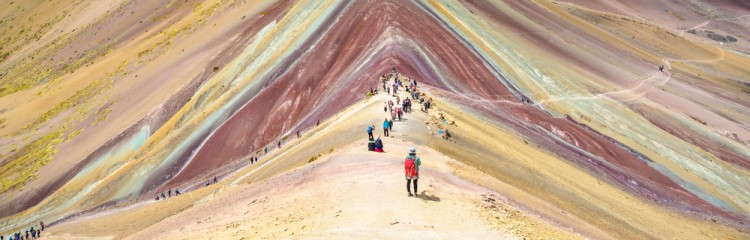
(31, 233)
(396, 111)
(169, 194)
(209, 182)
(253, 160)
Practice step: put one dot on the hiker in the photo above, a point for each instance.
(398, 100)
(157, 197)
(266, 150)
(447, 135)
(386, 127)
(390, 125)
(297, 133)
(169, 193)
(163, 196)
(371, 144)
(378, 145)
(385, 107)
(215, 181)
(411, 169)
(317, 124)
(41, 224)
(207, 182)
(399, 112)
(278, 144)
(369, 130)
(177, 191)
(661, 68)
(393, 113)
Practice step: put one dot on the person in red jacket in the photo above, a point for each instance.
(411, 167)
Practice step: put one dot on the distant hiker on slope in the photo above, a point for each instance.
(371, 144)
(369, 130)
(378, 145)
(390, 125)
(411, 167)
(386, 126)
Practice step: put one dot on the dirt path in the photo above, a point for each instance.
(349, 193)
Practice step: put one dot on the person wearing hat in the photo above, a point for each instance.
(386, 127)
(378, 145)
(369, 131)
(371, 144)
(411, 167)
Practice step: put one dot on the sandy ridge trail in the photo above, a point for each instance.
(351, 194)
(346, 193)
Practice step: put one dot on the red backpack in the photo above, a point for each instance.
(410, 168)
